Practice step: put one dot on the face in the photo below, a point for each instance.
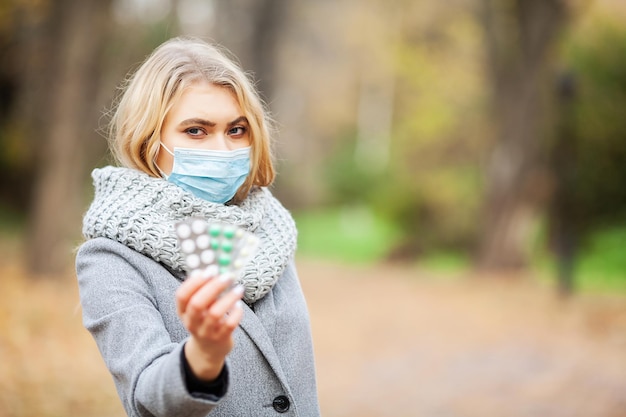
(206, 116)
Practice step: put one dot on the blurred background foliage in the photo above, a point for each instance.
(465, 133)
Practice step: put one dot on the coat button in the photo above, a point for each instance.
(281, 404)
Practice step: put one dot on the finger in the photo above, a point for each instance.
(188, 288)
(234, 316)
(226, 303)
(214, 315)
(206, 295)
(230, 321)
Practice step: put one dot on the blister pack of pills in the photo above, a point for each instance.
(214, 248)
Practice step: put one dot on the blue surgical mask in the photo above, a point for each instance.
(214, 176)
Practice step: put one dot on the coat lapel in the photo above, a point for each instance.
(253, 327)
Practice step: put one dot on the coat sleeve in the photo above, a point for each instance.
(120, 311)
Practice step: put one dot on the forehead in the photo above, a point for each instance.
(206, 100)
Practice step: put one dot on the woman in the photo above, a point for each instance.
(192, 136)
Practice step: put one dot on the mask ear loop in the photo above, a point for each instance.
(163, 175)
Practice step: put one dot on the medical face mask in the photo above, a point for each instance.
(214, 176)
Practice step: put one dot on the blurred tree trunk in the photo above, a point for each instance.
(255, 46)
(565, 217)
(74, 50)
(23, 54)
(520, 39)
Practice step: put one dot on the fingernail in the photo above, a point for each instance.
(239, 304)
(226, 277)
(196, 273)
(210, 271)
(239, 289)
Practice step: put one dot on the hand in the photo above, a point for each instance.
(210, 316)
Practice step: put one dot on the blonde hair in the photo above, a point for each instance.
(150, 93)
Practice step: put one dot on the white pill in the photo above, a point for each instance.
(183, 230)
(188, 246)
(203, 241)
(198, 226)
(207, 256)
(193, 261)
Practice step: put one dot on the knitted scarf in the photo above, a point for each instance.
(139, 211)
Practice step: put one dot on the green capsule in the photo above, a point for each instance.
(229, 232)
(215, 230)
(224, 259)
(227, 246)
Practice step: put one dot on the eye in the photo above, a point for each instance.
(195, 131)
(237, 131)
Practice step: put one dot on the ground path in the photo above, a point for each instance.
(389, 341)
(397, 342)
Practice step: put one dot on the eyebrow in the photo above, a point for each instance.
(208, 123)
(240, 119)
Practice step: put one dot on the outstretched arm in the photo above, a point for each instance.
(210, 312)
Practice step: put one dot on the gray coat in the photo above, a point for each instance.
(129, 307)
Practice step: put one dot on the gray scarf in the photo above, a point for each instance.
(139, 211)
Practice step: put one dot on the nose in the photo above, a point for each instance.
(223, 143)
(220, 142)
